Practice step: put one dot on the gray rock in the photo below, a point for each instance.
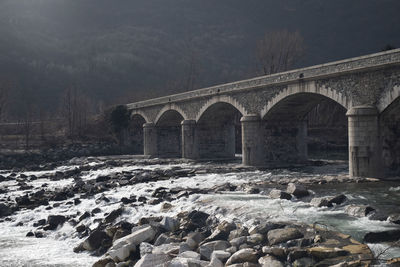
(238, 241)
(238, 233)
(126, 245)
(169, 224)
(320, 202)
(304, 262)
(359, 210)
(243, 255)
(297, 190)
(151, 260)
(255, 239)
(186, 262)
(220, 255)
(279, 194)
(206, 249)
(339, 199)
(282, 235)
(190, 254)
(269, 261)
(94, 240)
(145, 248)
(215, 263)
(394, 218)
(171, 248)
(278, 252)
(4, 210)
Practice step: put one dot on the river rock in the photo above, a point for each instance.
(103, 262)
(220, 255)
(269, 261)
(278, 252)
(171, 248)
(151, 260)
(5, 210)
(121, 250)
(54, 221)
(320, 202)
(113, 215)
(243, 255)
(279, 194)
(304, 262)
(238, 233)
(206, 249)
(282, 235)
(297, 190)
(95, 240)
(384, 236)
(326, 252)
(185, 262)
(359, 210)
(189, 254)
(339, 199)
(394, 218)
(238, 241)
(169, 224)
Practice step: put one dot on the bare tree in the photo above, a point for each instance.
(4, 89)
(76, 109)
(278, 51)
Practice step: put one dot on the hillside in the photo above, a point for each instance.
(116, 52)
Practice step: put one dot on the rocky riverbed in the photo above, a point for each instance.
(119, 211)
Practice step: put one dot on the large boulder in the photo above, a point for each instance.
(326, 252)
(151, 260)
(297, 190)
(269, 261)
(169, 224)
(384, 236)
(127, 244)
(5, 210)
(279, 194)
(54, 221)
(282, 235)
(359, 210)
(243, 255)
(207, 249)
(95, 240)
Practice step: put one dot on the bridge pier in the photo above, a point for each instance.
(252, 146)
(150, 139)
(189, 139)
(364, 142)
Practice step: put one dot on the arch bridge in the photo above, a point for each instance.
(271, 112)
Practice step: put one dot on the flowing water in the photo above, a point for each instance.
(56, 248)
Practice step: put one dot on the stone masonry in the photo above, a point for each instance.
(271, 110)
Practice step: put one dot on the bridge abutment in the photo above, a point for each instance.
(364, 142)
(150, 139)
(189, 140)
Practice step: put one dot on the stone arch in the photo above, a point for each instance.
(140, 113)
(312, 89)
(168, 108)
(388, 98)
(221, 99)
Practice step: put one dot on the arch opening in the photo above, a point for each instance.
(303, 126)
(135, 130)
(169, 134)
(390, 138)
(219, 132)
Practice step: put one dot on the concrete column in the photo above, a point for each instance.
(150, 139)
(252, 147)
(189, 139)
(364, 145)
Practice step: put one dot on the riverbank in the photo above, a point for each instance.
(86, 199)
